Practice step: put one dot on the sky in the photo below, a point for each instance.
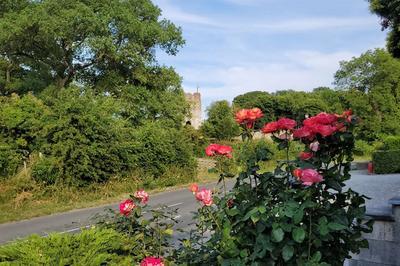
(236, 46)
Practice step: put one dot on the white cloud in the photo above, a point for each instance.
(301, 70)
(176, 14)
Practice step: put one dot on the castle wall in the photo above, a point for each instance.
(195, 119)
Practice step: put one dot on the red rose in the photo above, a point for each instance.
(297, 173)
(194, 188)
(286, 124)
(126, 207)
(152, 261)
(211, 149)
(304, 132)
(270, 127)
(324, 130)
(224, 150)
(325, 119)
(305, 155)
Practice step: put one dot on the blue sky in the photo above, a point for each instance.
(235, 46)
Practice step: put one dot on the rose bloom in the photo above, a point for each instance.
(310, 176)
(271, 127)
(304, 132)
(297, 172)
(152, 261)
(142, 195)
(305, 155)
(126, 207)
(215, 149)
(324, 130)
(194, 188)
(325, 119)
(286, 124)
(241, 116)
(205, 196)
(254, 114)
(285, 136)
(314, 146)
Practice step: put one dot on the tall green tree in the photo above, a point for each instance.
(389, 12)
(376, 76)
(220, 123)
(102, 43)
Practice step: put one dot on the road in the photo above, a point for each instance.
(379, 187)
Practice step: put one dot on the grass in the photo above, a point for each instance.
(23, 198)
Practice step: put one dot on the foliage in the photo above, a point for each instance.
(90, 247)
(220, 124)
(388, 11)
(273, 218)
(364, 148)
(156, 148)
(386, 162)
(84, 138)
(376, 75)
(198, 140)
(103, 43)
(148, 236)
(391, 143)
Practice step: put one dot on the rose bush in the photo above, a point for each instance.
(299, 214)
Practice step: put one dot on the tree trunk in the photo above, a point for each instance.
(8, 75)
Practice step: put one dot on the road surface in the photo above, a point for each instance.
(379, 187)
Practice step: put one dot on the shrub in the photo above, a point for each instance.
(10, 160)
(84, 134)
(156, 149)
(90, 247)
(363, 148)
(386, 162)
(391, 143)
(299, 214)
(47, 170)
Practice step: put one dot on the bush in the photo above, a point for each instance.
(156, 149)
(47, 170)
(363, 148)
(90, 247)
(10, 160)
(386, 162)
(84, 134)
(391, 143)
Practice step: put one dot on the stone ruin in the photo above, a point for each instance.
(195, 119)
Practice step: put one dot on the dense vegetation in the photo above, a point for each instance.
(369, 85)
(85, 99)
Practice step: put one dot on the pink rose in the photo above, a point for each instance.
(286, 124)
(310, 176)
(285, 136)
(314, 146)
(205, 196)
(126, 207)
(305, 155)
(152, 261)
(211, 149)
(215, 149)
(194, 188)
(270, 127)
(142, 195)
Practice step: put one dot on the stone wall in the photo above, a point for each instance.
(384, 241)
(195, 119)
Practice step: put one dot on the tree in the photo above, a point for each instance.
(389, 12)
(102, 43)
(376, 76)
(220, 123)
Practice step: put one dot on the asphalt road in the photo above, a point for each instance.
(379, 187)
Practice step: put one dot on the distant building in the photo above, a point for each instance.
(195, 119)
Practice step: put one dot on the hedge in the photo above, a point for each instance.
(391, 143)
(386, 162)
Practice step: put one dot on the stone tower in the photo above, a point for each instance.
(194, 99)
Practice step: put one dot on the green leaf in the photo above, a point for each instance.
(287, 252)
(232, 212)
(336, 226)
(298, 234)
(316, 257)
(298, 216)
(262, 209)
(277, 235)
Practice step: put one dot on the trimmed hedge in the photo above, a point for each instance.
(386, 162)
(391, 143)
